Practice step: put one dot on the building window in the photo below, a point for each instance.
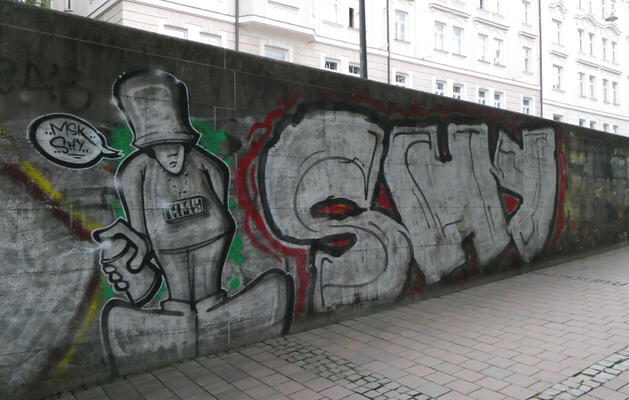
(604, 48)
(175, 31)
(581, 84)
(526, 8)
(276, 53)
(482, 4)
(603, 9)
(458, 40)
(332, 65)
(557, 25)
(457, 91)
(527, 59)
(498, 99)
(400, 24)
(439, 28)
(498, 7)
(557, 117)
(440, 88)
(353, 69)
(605, 90)
(482, 47)
(615, 92)
(581, 122)
(613, 52)
(330, 10)
(590, 6)
(592, 86)
(401, 79)
(351, 20)
(593, 124)
(580, 33)
(591, 44)
(606, 127)
(615, 128)
(482, 96)
(526, 105)
(498, 51)
(580, 4)
(208, 38)
(557, 83)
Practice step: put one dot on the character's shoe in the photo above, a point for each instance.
(261, 310)
(137, 339)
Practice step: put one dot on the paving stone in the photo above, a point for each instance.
(432, 389)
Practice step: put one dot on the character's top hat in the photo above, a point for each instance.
(155, 104)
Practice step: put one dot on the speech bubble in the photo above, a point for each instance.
(69, 141)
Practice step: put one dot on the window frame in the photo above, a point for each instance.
(401, 18)
(440, 36)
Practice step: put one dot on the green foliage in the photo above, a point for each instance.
(40, 3)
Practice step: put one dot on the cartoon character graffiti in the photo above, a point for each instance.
(178, 229)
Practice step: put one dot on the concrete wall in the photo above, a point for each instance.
(165, 199)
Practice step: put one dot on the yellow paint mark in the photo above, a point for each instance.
(89, 224)
(39, 179)
(1, 131)
(45, 186)
(577, 157)
(78, 338)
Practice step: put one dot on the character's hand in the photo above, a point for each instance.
(135, 251)
(115, 278)
(138, 285)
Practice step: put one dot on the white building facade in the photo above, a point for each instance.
(485, 51)
(585, 81)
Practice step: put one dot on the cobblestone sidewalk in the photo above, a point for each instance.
(558, 333)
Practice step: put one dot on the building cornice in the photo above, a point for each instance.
(589, 63)
(527, 35)
(559, 54)
(184, 9)
(582, 109)
(448, 10)
(246, 20)
(493, 24)
(463, 71)
(592, 21)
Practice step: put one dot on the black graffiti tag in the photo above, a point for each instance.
(60, 83)
(7, 72)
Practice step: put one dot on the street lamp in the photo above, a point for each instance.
(611, 17)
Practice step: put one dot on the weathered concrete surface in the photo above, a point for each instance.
(171, 199)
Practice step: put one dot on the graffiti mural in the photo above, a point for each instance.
(455, 201)
(354, 206)
(178, 229)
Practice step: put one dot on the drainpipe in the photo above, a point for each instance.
(237, 24)
(541, 54)
(388, 47)
(363, 40)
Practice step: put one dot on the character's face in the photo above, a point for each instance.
(320, 178)
(170, 157)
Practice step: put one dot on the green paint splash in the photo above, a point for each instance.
(121, 139)
(107, 291)
(234, 281)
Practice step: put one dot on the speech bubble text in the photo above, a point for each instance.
(69, 141)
